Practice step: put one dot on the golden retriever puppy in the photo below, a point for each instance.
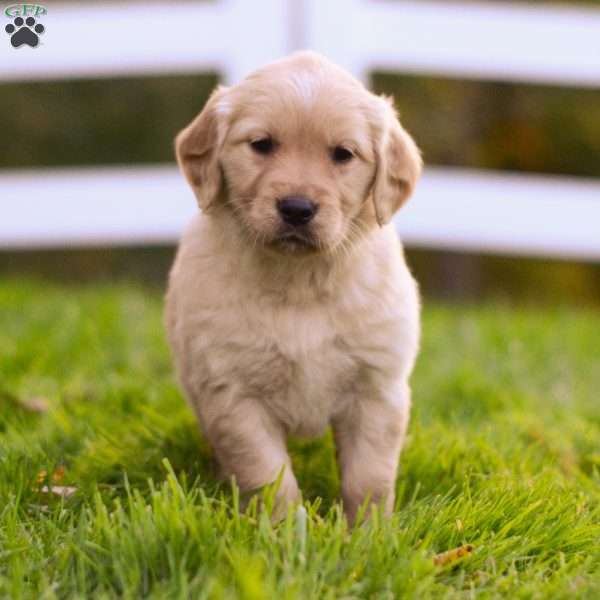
(290, 306)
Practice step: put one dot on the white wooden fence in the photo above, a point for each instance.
(453, 208)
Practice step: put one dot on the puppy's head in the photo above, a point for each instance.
(301, 155)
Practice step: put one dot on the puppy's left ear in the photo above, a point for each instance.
(399, 166)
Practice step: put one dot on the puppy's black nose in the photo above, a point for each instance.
(296, 210)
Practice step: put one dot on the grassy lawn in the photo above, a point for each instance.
(503, 454)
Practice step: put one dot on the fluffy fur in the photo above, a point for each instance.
(275, 334)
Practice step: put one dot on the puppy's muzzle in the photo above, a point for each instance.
(296, 210)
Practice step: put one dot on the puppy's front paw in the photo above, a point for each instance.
(277, 497)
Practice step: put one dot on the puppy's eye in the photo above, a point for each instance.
(341, 155)
(263, 146)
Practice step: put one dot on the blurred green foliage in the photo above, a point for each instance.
(447, 275)
(499, 125)
(456, 122)
(101, 121)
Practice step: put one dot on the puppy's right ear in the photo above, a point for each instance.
(197, 149)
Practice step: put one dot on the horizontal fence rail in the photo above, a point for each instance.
(485, 41)
(453, 208)
(152, 204)
(138, 38)
(480, 40)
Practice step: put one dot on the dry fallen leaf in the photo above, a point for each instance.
(36, 405)
(452, 556)
(64, 491)
(57, 476)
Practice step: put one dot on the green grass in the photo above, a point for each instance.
(503, 453)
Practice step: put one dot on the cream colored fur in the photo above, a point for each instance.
(272, 339)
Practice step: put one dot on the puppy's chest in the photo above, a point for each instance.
(298, 363)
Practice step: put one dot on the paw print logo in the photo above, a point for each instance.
(24, 32)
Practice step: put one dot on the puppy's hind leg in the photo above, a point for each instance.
(369, 436)
(251, 447)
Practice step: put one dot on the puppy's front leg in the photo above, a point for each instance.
(369, 436)
(250, 446)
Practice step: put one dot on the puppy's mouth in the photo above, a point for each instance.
(295, 240)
